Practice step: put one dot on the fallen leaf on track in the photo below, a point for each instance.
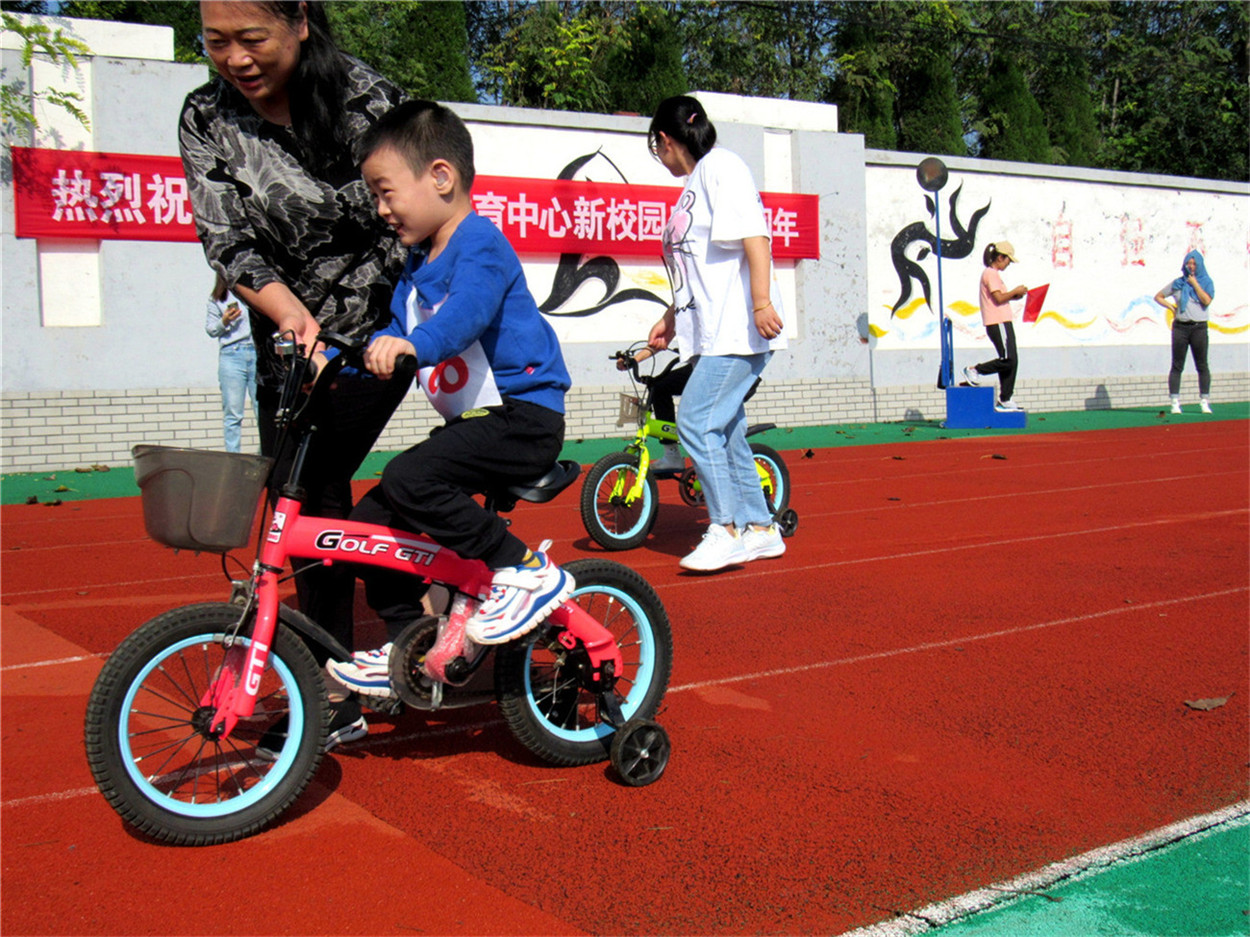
(1206, 704)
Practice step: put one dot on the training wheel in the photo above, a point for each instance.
(788, 522)
(640, 751)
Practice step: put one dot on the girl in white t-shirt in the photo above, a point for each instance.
(726, 316)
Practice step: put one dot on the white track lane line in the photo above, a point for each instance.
(945, 912)
(393, 738)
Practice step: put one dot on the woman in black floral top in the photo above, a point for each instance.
(268, 148)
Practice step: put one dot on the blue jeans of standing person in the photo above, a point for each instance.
(236, 372)
(712, 425)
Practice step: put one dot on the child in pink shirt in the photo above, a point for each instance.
(996, 315)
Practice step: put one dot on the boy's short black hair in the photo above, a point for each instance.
(421, 132)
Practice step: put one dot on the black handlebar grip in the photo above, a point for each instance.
(406, 367)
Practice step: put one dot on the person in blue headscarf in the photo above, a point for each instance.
(1188, 297)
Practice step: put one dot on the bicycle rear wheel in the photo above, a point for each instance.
(150, 748)
(543, 686)
(776, 480)
(612, 521)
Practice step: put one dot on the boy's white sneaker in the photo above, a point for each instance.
(972, 376)
(520, 598)
(719, 548)
(1176, 405)
(1204, 405)
(763, 543)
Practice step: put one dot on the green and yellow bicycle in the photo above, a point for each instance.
(620, 495)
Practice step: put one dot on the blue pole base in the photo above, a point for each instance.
(973, 408)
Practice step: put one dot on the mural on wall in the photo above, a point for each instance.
(1104, 249)
(572, 273)
(918, 233)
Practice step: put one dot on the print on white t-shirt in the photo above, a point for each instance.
(465, 382)
(706, 261)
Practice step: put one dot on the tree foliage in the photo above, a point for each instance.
(1011, 125)
(17, 98)
(1140, 85)
(422, 47)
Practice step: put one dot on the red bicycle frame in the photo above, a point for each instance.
(334, 540)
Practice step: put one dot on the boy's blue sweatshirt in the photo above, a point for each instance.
(469, 311)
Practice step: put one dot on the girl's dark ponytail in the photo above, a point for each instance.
(683, 120)
(991, 254)
(317, 87)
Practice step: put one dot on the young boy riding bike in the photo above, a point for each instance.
(489, 363)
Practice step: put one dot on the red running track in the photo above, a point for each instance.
(972, 661)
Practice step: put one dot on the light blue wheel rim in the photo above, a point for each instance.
(642, 679)
(643, 504)
(279, 769)
(779, 483)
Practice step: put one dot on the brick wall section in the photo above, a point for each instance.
(66, 429)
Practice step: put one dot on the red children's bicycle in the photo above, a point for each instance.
(209, 720)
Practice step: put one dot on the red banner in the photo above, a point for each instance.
(72, 194)
(120, 196)
(544, 216)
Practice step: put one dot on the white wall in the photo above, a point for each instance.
(1104, 242)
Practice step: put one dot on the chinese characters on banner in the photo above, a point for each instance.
(71, 194)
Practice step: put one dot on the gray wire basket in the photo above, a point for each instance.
(199, 499)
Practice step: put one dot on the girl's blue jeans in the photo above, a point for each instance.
(712, 425)
(236, 372)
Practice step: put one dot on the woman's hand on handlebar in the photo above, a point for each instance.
(383, 352)
(664, 331)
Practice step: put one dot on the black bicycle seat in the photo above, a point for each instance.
(547, 485)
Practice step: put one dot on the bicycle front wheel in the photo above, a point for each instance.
(774, 477)
(610, 516)
(148, 739)
(543, 685)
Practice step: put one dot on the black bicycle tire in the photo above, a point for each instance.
(512, 662)
(203, 623)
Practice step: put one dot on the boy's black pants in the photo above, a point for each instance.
(430, 487)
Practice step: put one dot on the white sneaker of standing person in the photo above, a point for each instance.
(1008, 405)
(1176, 404)
(972, 376)
(720, 547)
(671, 459)
(1204, 404)
(763, 543)
(520, 598)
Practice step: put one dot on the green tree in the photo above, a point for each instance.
(1011, 126)
(421, 46)
(647, 67)
(862, 89)
(1173, 91)
(553, 56)
(767, 49)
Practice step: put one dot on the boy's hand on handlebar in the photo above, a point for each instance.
(383, 352)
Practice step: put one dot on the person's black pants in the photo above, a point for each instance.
(430, 489)
(355, 413)
(1003, 337)
(668, 385)
(1187, 336)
